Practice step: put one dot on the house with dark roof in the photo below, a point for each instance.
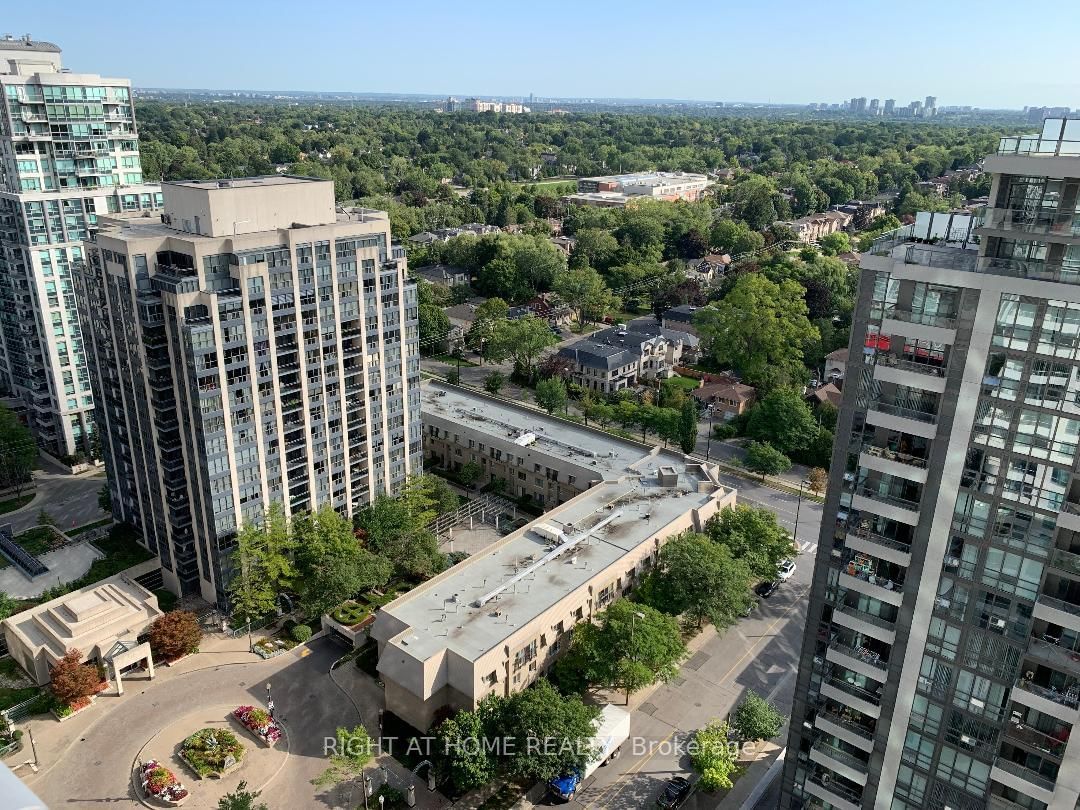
(680, 318)
(622, 356)
(709, 268)
(727, 399)
(442, 275)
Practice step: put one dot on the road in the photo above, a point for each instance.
(759, 653)
(71, 500)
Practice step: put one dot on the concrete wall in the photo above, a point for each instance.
(248, 208)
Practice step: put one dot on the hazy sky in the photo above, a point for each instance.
(991, 53)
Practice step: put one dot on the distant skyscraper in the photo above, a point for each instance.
(890, 105)
(931, 101)
(874, 106)
(941, 664)
(69, 150)
(254, 345)
(858, 105)
(452, 104)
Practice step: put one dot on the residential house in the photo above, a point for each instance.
(442, 275)
(680, 318)
(830, 393)
(836, 363)
(623, 356)
(727, 399)
(709, 268)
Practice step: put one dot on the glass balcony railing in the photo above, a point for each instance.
(1032, 738)
(873, 698)
(1065, 561)
(1043, 220)
(1059, 604)
(904, 412)
(1028, 775)
(858, 729)
(1037, 269)
(1060, 137)
(951, 258)
(843, 757)
(894, 361)
(1070, 697)
(893, 455)
(880, 497)
(923, 318)
(862, 654)
(838, 789)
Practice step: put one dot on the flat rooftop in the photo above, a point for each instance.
(643, 490)
(609, 455)
(248, 182)
(445, 613)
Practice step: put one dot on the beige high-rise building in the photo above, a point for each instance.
(253, 344)
(69, 153)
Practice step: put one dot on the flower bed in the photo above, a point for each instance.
(258, 722)
(351, 613)
(160, 783)
(269, 647)
(212, 752)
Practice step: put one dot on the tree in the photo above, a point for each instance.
(397, 529)
(819, 479)
(461, 754)
(174, 634)
(752, 535)
(630, 647)
(688, 424)
(434, 326)
(713, 757)
(7, 605)
(72, 680)
(763, 458)
(760, 328)
(18, 452)
(262, 563)
(594, 247)
(551, 394)
(730, 236)
(494, 382)
(783, 419)
(488, 316)
(470, 473)
(564, 724)
(584, 290)
(699, 579)
(241, 799)
(104, 498)
(521, 340)
(835, 243)
(756, 719)
(351, 752)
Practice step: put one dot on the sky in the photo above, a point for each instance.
(987, 54)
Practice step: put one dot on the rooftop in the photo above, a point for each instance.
(247, 182)
(649, 178)
(25, 43)
(482, 601)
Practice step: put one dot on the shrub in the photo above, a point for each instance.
(301, 633)
(392, 797)
(259, 718)
(207, 749)
(175, 634)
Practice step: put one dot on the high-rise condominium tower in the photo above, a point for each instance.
(253, 344)
(69, 152)
(941, 663)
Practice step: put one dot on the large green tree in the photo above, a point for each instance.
(755, 718)
(461, 753)
(565, 724)
(397, 529)
(699, 579)
(522, 340)
(752, 535)
(18, 452)
(783, 419)
(761, 329)
(551, 394)
(262, 565)
(584, 290)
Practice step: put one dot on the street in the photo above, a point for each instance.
(760, 653)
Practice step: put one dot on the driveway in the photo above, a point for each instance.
(72, 500)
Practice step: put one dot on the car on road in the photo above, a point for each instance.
(786, 570)
(674, 793)
(767, 589)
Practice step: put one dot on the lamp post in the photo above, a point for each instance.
(708, 441)
(798, 508)
(633, 654)
(269, 700)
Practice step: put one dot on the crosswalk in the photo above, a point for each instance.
(807, 547)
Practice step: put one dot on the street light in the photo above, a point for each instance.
(798, 508)
(708, 441)
(269, 700)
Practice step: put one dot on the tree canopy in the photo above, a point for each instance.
(752, 535)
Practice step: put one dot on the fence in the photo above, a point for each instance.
(20, 711)
(242, 630)
(487, 506)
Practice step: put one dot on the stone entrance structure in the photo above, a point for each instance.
(125, 653)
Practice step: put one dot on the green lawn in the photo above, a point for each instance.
(10, 697)
(688, 384)
(15, 503)
(38, 540)
(449, 358)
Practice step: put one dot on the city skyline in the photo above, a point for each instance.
(445, 63)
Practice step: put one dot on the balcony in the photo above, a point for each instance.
(853, 733)
(1049, 701)
(901, 419)
(858, 659)
(1057, 611)
(885, 548)
(889, 367)
(1065, 561)
(1035, 269)
(840, 762)
(891, 462)
(867, 499)
(891, 312)
(1026, 781)
(866, 623)
(878, 587)
(1032, 738)
(1054, 655)
(1060, 137)
(1049, 220)
(1069, 516)
(839, 796)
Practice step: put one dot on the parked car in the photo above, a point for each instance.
(674, 793)
(786, 570)
(767, 589)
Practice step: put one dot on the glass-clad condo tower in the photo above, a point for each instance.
(941, 663)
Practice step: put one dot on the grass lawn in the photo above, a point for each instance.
(15, 503)
(10, 697)
(38, 540)
(449, 358)
(688, 384)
